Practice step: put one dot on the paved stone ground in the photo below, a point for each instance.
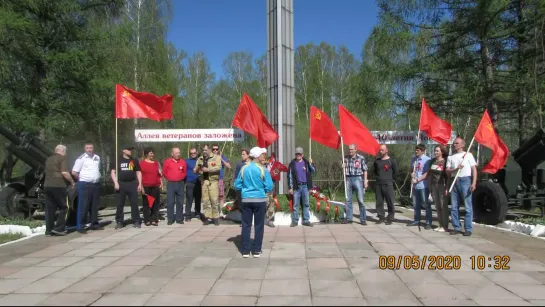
(331, 264)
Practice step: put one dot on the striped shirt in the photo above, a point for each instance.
(355, 166)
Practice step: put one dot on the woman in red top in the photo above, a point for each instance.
(152, 183)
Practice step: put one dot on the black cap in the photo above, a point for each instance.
(128, 147)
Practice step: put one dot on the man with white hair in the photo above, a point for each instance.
(254, 182)
(57, 177)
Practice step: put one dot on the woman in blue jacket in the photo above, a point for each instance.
(254, 181)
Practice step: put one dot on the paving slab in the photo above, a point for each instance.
(328, 264)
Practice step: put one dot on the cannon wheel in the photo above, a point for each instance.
(8, 208)
(489, 203)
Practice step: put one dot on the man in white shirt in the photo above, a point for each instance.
(464, 186)
(87, 171)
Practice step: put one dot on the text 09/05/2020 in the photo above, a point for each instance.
(442, 262)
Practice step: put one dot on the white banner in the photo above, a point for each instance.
(405, 137)
(188, 135)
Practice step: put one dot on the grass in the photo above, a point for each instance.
(7, 237)
(21, 222)
(531, 220)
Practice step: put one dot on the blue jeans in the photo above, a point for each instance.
(257, 211)
(88, 199)
(420, 199)
(462, 189)
(355, 183)
(175, 194)
(301, 191)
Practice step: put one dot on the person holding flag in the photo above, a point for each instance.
(152, 185)
(300, 171)
(463, 167)
(465, 183)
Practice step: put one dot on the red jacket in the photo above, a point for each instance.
(174, 170)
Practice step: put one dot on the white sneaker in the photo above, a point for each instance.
(245, 255)
(257, 254)
(440, 229)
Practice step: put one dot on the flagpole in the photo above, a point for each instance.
(310, 148)
(417, 140)
(463, 160)
(478, 153)
(344, 173)
(116, 143)
(224, 143)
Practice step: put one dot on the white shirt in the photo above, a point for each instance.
(455, 160)
(88, 168)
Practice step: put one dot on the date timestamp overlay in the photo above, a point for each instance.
(440, 262)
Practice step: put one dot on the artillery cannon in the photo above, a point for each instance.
(20, 197)
(520, 184)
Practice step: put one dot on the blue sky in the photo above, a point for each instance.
(218, 27)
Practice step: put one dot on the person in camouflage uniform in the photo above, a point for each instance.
(269, 216)
(209, 165)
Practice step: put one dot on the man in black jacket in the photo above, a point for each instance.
(300, 173)
(385, 168)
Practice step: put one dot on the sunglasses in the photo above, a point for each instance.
(215, 149)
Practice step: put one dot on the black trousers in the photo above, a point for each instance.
(151, 214)
(88, 198)
(55, 199)
(127, 189)
(256, 211)
(193, 191)
(385, 192)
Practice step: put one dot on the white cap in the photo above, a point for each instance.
(255, 152)
(263, 150)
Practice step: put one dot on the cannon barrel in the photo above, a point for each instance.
(24, 156)
(46, 152)
(27, 148)
(10, 136)
(530, 154)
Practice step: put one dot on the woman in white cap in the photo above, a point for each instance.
(254, 182)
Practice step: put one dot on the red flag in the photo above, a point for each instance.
(486, 136)
(322, 129)
(272, 159)
(250, 119)
(151, 200)
(276, 168)
(354, 132)
(435, 128)
(132, 104)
